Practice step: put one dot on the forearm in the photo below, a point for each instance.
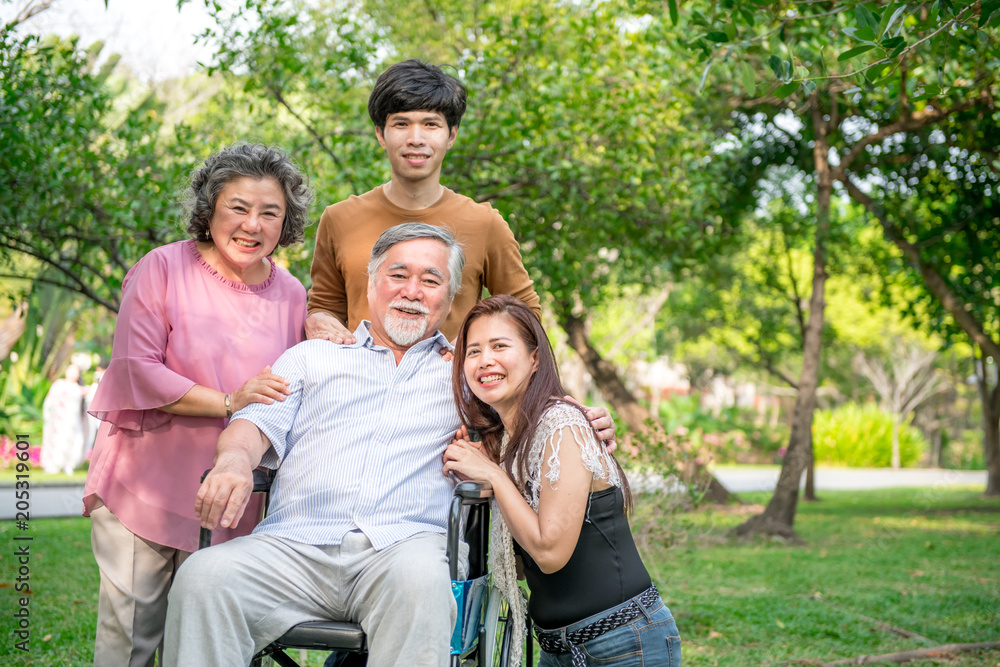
(242, 445)
(200, 401)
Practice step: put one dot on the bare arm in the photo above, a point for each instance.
(226, 490)
(551, 534)
(200, 401)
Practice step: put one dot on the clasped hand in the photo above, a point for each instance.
(468, 458)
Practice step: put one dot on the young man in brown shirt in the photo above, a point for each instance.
(416, 109)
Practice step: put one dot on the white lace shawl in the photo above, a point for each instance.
(548, 435)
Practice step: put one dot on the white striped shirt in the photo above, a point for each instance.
(359, 441)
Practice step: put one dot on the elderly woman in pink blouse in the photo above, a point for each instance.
(200, 323)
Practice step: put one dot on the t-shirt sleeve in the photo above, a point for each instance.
(503, 270)
(329, 289)
(276, 419)
(137, 382)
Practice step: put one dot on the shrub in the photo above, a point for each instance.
(9, 454)
(965, 452)
(732, 435)
(861, 437)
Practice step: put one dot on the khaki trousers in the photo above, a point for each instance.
(132, 604)
(231, 600)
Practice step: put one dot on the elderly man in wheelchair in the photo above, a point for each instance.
(359, 508)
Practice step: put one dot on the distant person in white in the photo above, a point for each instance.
(358, 513)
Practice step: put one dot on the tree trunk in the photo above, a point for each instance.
(895, 441)
(809, 492)
(605, 375)
(990, 396)
(779, 516)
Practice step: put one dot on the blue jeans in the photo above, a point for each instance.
(650, 640)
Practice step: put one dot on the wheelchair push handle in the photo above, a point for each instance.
(466, 493)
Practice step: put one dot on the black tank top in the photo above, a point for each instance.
(604, 570)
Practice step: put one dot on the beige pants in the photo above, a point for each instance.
(233, 599)
(132, 606)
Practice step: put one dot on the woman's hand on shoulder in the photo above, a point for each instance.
(265, 387)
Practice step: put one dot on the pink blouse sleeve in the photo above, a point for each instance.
(137, 382)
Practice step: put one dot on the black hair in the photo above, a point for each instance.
(413, 85)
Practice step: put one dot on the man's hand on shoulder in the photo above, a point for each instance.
(601, 422)
(324, 326)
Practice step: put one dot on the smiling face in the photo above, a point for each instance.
(416, 143)
(408, 297)
(246, 227)
(498, 364)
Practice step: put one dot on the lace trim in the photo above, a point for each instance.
(550, 433)
(240, 287)
(595, 458)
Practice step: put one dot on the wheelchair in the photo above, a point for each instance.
(482, 636)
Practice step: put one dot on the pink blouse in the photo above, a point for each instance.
(181, 323)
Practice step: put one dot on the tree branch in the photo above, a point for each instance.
(933, 280)
(916, 121)
(75, 284)
(276, 92)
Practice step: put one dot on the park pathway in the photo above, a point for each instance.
(65, 499)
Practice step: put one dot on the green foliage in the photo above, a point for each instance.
(860, 436)
(37, 358)
(798, 48)
(88, 187)
(964, 452)
(731, 435)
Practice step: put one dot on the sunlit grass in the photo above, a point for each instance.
(923, 562)
(920, 561)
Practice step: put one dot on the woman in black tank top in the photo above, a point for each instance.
(561, 499)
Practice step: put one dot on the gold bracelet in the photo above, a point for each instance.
(229, 412)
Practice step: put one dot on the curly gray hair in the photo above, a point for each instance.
(256, 161)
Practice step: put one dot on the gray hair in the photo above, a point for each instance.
(255, 161)
(411, 231)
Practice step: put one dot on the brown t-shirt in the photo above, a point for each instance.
(348, 230)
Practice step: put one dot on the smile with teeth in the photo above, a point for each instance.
(410, 311)
(246, 244)
(487, 379)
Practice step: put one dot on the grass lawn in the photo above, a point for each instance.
(8, 476)
(924, 561)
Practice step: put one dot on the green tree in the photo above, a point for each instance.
(857, 76)
(89, 186)
(573, 131)
(936, 201)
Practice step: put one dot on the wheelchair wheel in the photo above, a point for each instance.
(498, 633)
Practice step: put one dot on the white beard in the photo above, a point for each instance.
(404, 332)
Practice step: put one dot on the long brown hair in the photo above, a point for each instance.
(543, 389)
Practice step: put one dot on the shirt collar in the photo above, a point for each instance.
(437, 342)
